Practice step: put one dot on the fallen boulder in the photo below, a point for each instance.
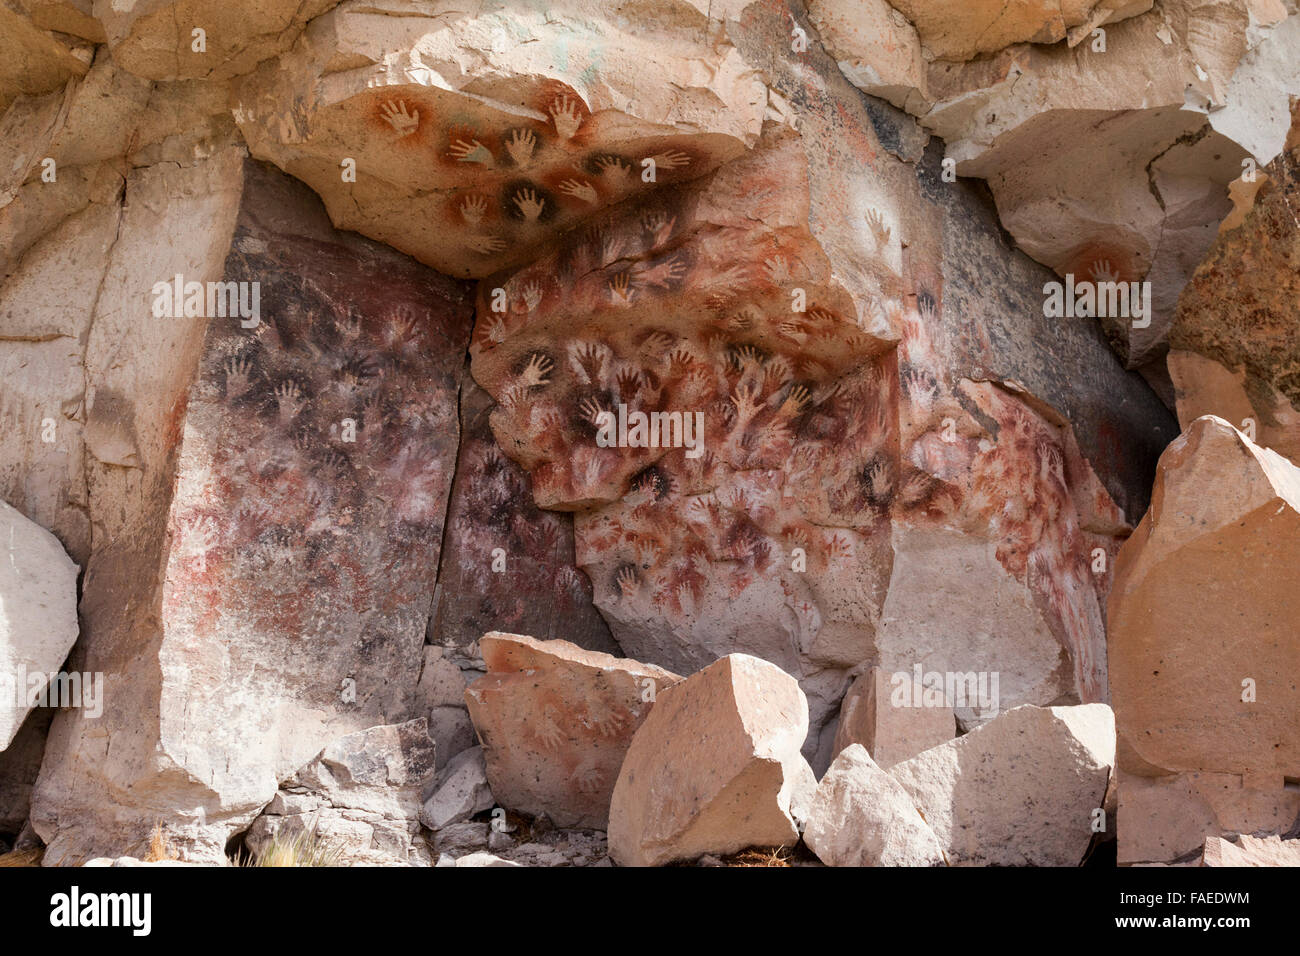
(1202, 651)
(861, 816)
(38, 617)
(1022, 790)
(555, 721)
(459, 791)
(360, 797)
(715, 768)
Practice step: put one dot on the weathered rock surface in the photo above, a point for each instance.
(459, 791)
(1167, 818)
(891, 732)
(676, 208)
(1022, 790)
(1250, 851)
(38, 618)
(828, 438)
(1235, 353)
(34, 58)
(861, 816)
(963, 29)
(876, 48)
(274, 618)
(1109, 156)
(556, 721)
(157, 39)
(20, 762)
(478, 137)
(715, 768)
(507, 565)
(1214, 561)
(360, 796)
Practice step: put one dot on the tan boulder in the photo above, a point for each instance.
(556, 721)
(715, 768)
(1025, 789)
(1167, 818)
(1215, 562)
(1205, 386)
(861, 816)
(1251, 851)
(890, 732)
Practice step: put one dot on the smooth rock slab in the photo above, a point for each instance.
(890, 733)
(38, 615)
(861, 816)
(1202, 636)
(256, 488)
(1018, 791)
(555, 722)
(715, 768)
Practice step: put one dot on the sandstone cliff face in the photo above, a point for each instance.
(673, 331)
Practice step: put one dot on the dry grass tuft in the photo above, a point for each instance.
(22, 858)
(160, 847)
(756, 856)
(305, 849)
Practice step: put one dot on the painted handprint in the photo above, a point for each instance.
(620, 289)
(529, 204)
(579, 190)
(397, 116)
(566, 116)
(671, 159)
(486, 244)
(237, 371)
(615, 171)
(470, 151)
(537, 370)
(288, 400)
(878, 228)
(520, 145)
(473, 208)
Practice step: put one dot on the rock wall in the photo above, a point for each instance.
(701, 343)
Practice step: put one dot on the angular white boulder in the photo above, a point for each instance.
(459, 791)
(1022, 790)
(38, 615)
(1251, 851)
(861, 816)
